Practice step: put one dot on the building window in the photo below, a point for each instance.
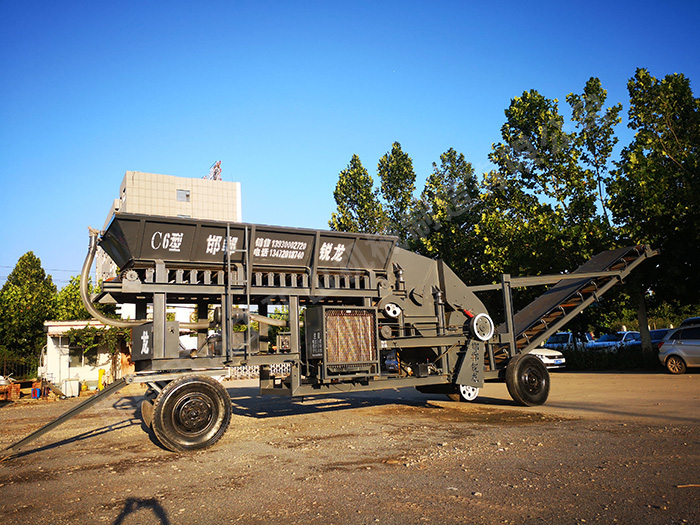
(78, 357)
(183, 195)
(90, 357)
(75, 356)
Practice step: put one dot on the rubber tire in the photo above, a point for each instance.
(676, 365)
(527, 380)
(464, 393)
(147, 406)
(191, 413)
(147, 412)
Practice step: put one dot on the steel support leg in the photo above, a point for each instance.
(109, 389)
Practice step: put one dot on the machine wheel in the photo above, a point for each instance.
(675, 365)
(527, 380)
(147, 412)
(191, 413)
(482, 327)
(464, 393)
(147, 406)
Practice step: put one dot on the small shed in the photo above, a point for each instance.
(71, 368)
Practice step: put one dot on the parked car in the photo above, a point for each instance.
(613, 342)
(568, 341)
(657, 337)
(550, 358)
(690, 321)
(681, 349)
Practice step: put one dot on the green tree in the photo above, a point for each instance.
(443, 221)
(359, 209)
(27, 299)
(541, 212)
(398, 182)
(595, 138)
(116, 340)
(514, 229)
(654, 194)
(69, 305)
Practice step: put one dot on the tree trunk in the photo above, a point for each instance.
(647, 351)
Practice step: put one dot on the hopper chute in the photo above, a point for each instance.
(139, 240)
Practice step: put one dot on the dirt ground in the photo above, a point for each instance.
(606, 448)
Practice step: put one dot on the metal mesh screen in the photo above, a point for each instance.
(351, 336)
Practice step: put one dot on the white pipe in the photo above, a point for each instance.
(84, 295)
(267, 320)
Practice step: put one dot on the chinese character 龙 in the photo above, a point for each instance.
(338, 255)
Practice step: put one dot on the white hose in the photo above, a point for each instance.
(84, 295)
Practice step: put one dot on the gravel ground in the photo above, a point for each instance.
(605, 448)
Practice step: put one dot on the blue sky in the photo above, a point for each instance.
(283, 93)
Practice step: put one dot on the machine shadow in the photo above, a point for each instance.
(247, 401)
(89, 434)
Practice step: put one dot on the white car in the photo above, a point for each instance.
(550, 358)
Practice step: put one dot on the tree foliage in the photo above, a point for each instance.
(596, 135)
(654, 194)
(359, 209)
(440, 220)
(398, 182)
(113, 338)
(27, 299)
(513, 230)
(69, 305)
(444, 219)
(540, 204)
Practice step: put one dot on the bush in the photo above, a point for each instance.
(19, 367)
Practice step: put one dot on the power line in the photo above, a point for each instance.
(45, 269)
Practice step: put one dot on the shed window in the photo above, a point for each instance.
(77, 357)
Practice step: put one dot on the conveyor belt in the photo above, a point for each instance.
(568, 297)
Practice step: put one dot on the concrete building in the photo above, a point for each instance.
(154, 194)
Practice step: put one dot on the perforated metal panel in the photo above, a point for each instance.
(351, 336)
(345, 339)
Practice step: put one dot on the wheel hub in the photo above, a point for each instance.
(532, 380)
(193, 413)
(468, 392)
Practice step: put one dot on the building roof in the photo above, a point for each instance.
(56, 328)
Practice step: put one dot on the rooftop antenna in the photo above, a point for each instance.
(214, 171)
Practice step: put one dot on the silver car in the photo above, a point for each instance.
(681, 349)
